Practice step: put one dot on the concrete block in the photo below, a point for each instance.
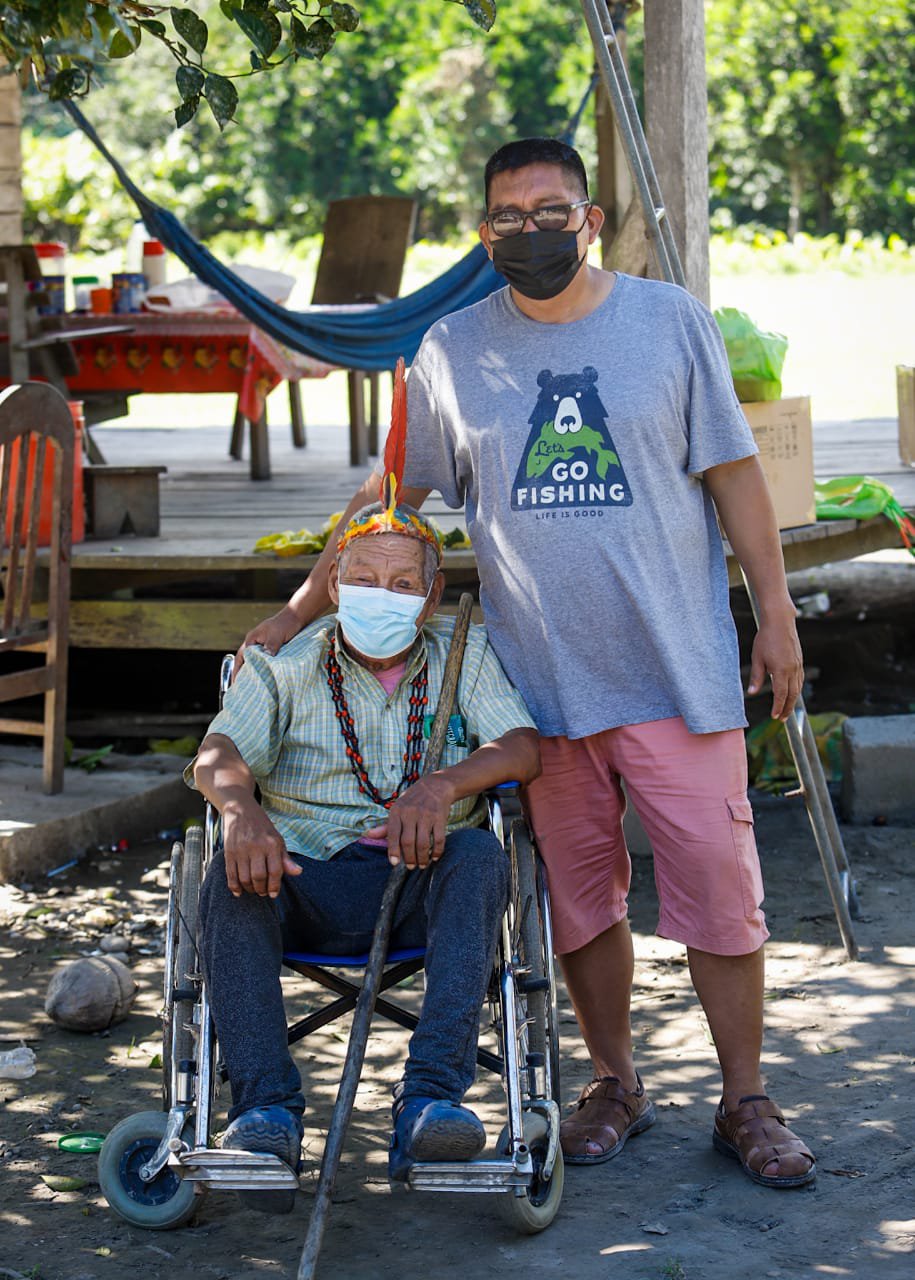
(878, 769)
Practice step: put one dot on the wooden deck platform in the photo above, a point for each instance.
(199, 585)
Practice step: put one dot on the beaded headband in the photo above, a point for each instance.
(388, 517)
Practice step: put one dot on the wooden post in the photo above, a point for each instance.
(676, 126)
(905, 392)
(10, 161)
(614, 182)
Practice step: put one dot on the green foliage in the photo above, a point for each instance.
(406, 106)
(811, 113)
(69, 42)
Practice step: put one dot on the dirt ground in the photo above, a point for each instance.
(839, 1056)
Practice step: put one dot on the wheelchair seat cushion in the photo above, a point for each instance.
(432, 1129)
(275, 1131)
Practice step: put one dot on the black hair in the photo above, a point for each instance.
(527, 151)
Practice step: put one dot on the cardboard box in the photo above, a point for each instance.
(784, 432)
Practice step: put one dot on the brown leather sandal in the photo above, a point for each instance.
(606, 1115)
(755, 1133)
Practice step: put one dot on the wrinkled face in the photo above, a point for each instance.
(389, 560)
(538, 186)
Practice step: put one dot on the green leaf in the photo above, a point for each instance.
(483, 12)
(344, 17)
(59, 1182)
(263, 30)
(154, 28)
(222, 97)
(228, 7)
(189, 81)
(191, 28)
(315, 40)
(121, 44)
(155, 1062)
(66, 84)
(186, 111)
(93, 759)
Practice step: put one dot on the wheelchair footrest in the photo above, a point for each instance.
(470, 1175)
(235, 1170)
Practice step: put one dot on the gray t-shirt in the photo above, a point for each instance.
(578, 451)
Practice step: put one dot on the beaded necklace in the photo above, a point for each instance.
(419, 698)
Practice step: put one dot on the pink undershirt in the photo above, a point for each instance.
(389, 679)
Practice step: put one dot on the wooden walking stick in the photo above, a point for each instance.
(371, 980)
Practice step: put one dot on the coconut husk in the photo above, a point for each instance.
(90, 994)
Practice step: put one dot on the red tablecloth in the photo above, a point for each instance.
(189, 353)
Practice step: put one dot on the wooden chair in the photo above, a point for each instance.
(35, 429)
(362, 258)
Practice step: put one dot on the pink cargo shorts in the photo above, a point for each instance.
(690, 791)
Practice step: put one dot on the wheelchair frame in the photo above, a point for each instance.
(153, 1165)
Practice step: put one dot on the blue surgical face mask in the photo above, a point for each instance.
(377, 622)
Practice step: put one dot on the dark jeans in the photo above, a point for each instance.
(454, 910)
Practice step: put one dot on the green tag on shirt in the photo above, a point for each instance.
(457, 730)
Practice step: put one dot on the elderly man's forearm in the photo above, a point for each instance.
(515, 757)
(221, 774)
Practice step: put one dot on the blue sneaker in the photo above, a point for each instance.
(277, 1132)
(431, 1129)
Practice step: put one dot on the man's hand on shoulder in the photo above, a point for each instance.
(271, 634)
(418, 822)
(255, 853)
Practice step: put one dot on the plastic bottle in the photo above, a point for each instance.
(52, 259)
(82, 293)
(154, 264)
(17, 1064)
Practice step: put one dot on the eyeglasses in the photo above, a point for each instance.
(551, 217)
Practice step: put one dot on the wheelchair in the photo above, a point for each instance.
(154, 1165)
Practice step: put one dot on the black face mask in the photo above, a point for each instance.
(539, 264)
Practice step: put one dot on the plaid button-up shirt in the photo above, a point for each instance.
(280, 715)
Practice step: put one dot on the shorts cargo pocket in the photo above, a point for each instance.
(748, 869)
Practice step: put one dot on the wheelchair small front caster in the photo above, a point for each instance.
(537, 1207)
(167, 1201)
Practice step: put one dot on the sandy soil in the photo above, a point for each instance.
(840, 1050)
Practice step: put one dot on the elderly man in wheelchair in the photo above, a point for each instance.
(331, 730)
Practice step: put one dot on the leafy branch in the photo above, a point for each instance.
(67, 42)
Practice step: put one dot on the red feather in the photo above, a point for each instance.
(395, 448)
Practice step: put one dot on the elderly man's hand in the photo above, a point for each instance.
(417, 823)
(255, 853)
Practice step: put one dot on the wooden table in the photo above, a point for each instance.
(192, 354)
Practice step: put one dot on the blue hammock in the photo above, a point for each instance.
(371, 339)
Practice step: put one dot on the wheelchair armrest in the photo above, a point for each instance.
(503, 790)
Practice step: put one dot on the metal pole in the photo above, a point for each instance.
(612, 67)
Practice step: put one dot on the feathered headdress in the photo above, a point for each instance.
(389, 517)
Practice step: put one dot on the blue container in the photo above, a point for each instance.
(54, 289)
(128, 291)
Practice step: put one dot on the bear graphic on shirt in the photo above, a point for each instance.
(569, 459)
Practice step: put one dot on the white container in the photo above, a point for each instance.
(154, 264)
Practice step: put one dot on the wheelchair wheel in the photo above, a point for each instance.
(536, 1209)
(178, 1039)
(166, 1202)
(534, 948)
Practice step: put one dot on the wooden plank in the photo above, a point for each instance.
(218, 625)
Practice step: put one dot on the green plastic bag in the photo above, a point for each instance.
(756, 358)
(769, 759)
(862, 498)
